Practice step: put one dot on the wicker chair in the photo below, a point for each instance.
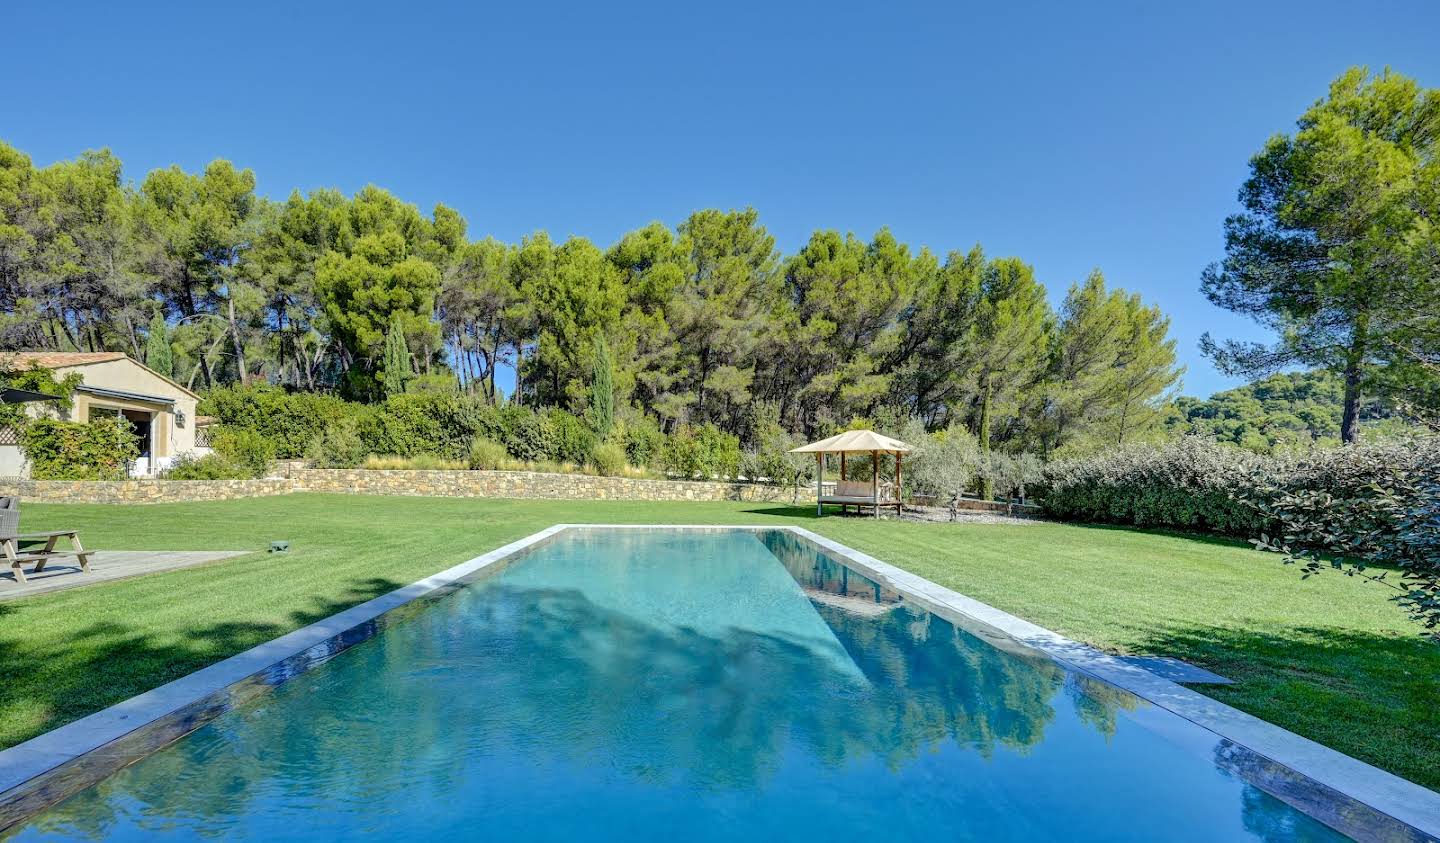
(9, 515)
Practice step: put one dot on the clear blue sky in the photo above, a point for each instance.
(1072, 135)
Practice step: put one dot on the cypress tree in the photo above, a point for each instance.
(158, 354)
(395, 363)
(602, 389)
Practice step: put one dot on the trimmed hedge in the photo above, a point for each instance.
(1190, 484)
(290, 420)
(1341, 494)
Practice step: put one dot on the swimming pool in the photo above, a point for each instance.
(698, 685)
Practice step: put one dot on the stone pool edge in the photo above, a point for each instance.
(50, 767)
(1384, 792)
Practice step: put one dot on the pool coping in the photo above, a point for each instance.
(46, 769)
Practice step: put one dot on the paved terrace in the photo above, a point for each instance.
(106, 565)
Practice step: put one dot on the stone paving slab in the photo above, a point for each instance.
(106, 566)
(1176, 670)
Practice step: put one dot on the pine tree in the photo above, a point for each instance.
(602, 389)
(396, 361)
(158, 354)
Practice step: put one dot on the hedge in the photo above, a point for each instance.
(290, 420)
(1342, 495)
(1191, 484)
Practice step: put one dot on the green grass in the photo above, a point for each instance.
(1329, 658)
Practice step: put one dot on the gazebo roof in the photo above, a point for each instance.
(852, 441)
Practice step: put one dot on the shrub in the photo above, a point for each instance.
(574, 440)
(488, 455)
(643, 442)
(100, 450)
(608, 458)
(704, 451)
(291, 420)
(208, 467)
(435, 423)
(1350, 508)
(771, 462)
(530, 437)
(247, 450)
(339, 446)
(1191, 484)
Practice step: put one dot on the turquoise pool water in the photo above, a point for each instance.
(644, 685)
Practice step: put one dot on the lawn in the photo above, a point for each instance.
(1329, 658)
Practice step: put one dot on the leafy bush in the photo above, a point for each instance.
(643, 441)
(208, 467)
(1352, 508)
(771, 462)
(608, 459)
(487, 455)
(247, 450)
(435, 423)
(291, 420)
(574, 440)
(1191, 484)
(59, 450)
(531, 437)
(338, 446)
(705, 451)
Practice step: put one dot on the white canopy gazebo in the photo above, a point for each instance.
(856, 493)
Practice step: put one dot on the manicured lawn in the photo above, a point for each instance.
(1329, 658)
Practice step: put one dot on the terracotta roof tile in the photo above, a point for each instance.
(57, 359)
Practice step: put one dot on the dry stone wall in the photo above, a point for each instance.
(467, 484)
(531, 485)
(142, 491)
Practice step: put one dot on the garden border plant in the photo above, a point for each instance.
(1370, 511)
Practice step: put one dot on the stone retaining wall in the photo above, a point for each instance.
(454, 484)
(142, 491)
(530, 485)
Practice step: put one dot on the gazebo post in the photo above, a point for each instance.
(875, 481)
(899, 490)
(819, 482)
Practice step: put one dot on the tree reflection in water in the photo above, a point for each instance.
(586, 698)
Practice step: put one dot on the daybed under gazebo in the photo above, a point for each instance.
(856, 493)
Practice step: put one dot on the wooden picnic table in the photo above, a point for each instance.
(10, 546)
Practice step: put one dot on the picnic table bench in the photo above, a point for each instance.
(10, 546)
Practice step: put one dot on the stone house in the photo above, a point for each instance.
(161, 411)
